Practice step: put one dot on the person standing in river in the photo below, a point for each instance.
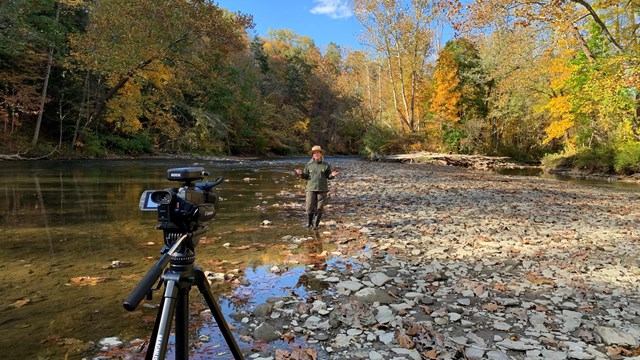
(317, 172)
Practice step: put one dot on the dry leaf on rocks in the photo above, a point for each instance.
(414, 329)
(478, 290)
(431, 354)
(404, 341)
(492, 307)
(296, 354)
(288, 337)
(537, 279)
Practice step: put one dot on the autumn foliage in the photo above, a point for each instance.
(517, 78)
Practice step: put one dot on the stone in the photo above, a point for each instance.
(266, 332)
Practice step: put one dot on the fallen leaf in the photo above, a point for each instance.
(404, 341)
(431, 354)
(414, 329)
(88, 280)
(537, 279)
(501, 287)
(492, 307)
(20, 303)
(288, 337)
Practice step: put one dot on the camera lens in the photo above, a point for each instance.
(161, 197)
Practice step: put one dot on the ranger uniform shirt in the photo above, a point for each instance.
(317, 174)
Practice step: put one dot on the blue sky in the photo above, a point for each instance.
(324, 21)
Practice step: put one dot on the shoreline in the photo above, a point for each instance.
(476, 162)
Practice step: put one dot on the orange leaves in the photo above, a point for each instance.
(537, 279)
(492, 307)
(618, 350)
(296, 354)
(446, 95)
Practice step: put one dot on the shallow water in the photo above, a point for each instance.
(64, 223)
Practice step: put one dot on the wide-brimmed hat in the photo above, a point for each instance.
(316, 148)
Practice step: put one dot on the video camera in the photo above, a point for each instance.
(182, 210)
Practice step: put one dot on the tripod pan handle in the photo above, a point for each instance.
(143, 287)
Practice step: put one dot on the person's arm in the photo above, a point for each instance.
(303, 173)
(329, 173)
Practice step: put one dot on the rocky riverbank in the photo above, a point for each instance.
(468, 265)
(437, 262)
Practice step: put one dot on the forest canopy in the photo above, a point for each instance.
(520, 78)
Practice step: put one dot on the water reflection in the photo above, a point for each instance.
(65, 223)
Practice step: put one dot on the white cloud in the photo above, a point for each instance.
(335, 9)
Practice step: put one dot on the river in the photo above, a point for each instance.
(75, 244)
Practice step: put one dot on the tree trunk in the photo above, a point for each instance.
(43, 96)
(85, 100)
(600, 23)
(103, 102)
(583, 44)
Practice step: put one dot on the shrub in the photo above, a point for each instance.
(599, 159)
(139, 143)
(374, 140)
(557, 161)
(627, 159)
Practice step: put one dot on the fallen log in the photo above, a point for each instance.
(18, 156)
(11, 157)
(479, 162)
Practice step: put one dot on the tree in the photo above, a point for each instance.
(29, 32)
(400, 32)
(144, 39)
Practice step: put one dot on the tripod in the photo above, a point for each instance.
(178, 280)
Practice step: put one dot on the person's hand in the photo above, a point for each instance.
(335, 173)
(299, 171)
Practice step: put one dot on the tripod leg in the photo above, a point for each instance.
(182, 323)
(160, 337)
(205, 290)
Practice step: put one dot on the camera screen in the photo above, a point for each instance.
(146, 204)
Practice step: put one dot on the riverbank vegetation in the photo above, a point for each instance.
(556, 81)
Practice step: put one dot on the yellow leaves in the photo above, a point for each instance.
(560, 109)
(301, 127)
(125, 109)
(158, 74)
(560, 72)
(557, 130)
